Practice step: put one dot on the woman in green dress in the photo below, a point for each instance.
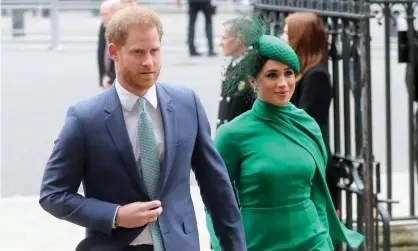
(276, 159)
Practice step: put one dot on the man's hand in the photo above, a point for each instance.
(138, 214)
(106, 82)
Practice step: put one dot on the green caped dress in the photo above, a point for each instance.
(276, 160)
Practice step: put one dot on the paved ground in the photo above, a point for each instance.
(24, 226)
(38, 86)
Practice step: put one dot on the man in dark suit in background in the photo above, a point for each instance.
(208, 10)
(106, 65)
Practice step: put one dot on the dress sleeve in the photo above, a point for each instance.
(328, 217)
(319, 198)
(227, 148)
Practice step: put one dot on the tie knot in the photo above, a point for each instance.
(142, 104)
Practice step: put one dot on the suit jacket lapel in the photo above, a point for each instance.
(115, 124)
(170, 128)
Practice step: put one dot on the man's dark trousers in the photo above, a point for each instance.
(194, 7)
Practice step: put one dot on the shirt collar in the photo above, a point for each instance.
(128, 99)
(235, 61)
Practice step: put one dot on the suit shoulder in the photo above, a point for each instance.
(315, 79)
(176, 89)
(177, 92)
(90, 104)
(317, 71)
(183, 98)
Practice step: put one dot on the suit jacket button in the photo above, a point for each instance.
(221, 98)
(228, 99)
(218, 122)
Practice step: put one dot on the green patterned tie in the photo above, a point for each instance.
(150, 163)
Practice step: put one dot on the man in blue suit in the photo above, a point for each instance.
(133, 147)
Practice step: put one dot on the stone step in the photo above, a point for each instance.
(403, 237)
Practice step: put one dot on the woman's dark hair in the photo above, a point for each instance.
(256, 64)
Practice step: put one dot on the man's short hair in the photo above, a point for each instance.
(116, 5)
(241, 27)
(113, 4)
(129, 2)
(117, 28)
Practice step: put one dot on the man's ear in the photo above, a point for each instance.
(239, 39)
(113, 51)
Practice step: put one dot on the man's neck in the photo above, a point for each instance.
(239, 53)
(235, 57)
(140, 92)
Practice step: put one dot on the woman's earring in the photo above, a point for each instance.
(255, 89)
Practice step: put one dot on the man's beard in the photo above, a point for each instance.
(136, 81)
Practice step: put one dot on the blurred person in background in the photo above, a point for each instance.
(235, 41)
(126, 3)
(18, 22)
(412, 74)
(306, 34)
(237, 94)
(106, 65)
(195, 6)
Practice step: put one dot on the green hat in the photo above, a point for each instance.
(277, 49)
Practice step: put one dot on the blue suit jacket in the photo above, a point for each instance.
(93, 147)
